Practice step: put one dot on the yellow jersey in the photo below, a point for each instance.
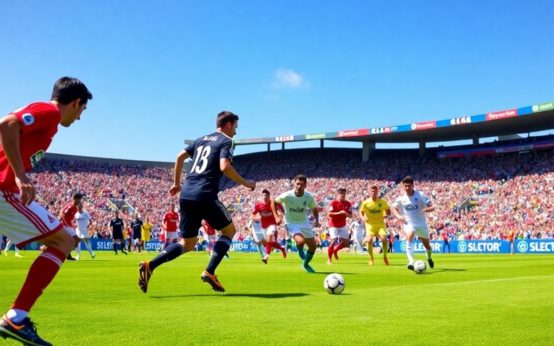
(375, 211)
(145, 231)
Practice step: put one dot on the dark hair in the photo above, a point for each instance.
(408, 180)
(67, 90)
(77, 195)
(341, 189)
(226, 117)
(301, 177)
(264, 191)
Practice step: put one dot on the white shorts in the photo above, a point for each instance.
(420, 232)
(23, 224)
(258, 232)
(305, 230)
(169, 236)
(80, 234)
(270, 230)
(338, 232)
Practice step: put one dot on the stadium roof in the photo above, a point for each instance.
(533, 118)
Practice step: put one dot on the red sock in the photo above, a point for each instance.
(41, 273)
(330, 251)
(277, 246)
(337, 248)
(268, 248)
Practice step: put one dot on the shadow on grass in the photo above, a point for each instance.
(440, 270)
(251, 295)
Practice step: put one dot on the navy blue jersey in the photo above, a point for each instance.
(117, 225)
(136, 225)
(204, 174)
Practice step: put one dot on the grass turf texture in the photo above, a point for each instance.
(466, 299)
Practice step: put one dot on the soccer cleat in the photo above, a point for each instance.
(24, 332)
(213, 281)
(284, 253)
(308, 268)
(70, 258)
(371, 262)
(431, 263)
(93, 255)
(266, 257)
(144, 275)
(410, 266)
(386, 260)
(18, 255)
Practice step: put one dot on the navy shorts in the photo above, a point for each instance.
(193, 212)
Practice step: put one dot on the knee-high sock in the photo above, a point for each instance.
(220, 250)
(410, 251)
(170, 253)
(41, 273)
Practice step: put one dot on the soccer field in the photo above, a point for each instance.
(467, 299)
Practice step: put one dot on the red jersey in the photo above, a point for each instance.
(171, 221)
(266, 215)
(336, 206)
(39, 123)
(68, 214)
(208, 228)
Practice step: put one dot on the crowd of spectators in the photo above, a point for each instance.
(475, 198)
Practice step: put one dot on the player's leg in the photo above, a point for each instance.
(7, 248)
(409, 232)
(32, 223)
(89, 247)
(312, 246)
(78, 250)
(331, 250)
(370, 239)
(343, 241)
(384, 241)
(428, 250)
(300, 242)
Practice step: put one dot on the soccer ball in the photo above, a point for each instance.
(420, 267)
(334, 283)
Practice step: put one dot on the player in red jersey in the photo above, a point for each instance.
(25, 135)
(170, 224)
(263, 213)
(66, 217)
(339, 210)
(211, 236)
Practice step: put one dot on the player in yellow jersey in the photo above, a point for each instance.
(373, 211)
(145, 231)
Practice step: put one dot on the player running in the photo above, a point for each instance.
(296, 204)
(170, 224)
(25, 135)
(211, 155)
(264, 219)
(410, 209)
(82, 220)
(339, 210)
(373, 211)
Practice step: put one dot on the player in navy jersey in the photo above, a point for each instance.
(211, 158)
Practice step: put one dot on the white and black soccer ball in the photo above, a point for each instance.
(420, 267)
(334, 283)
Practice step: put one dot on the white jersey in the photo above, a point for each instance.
(296, 208)
(82, 220)
(358, 230)
(412, 208)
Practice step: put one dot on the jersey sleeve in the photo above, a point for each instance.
(426, 200)
(385, 205)
(38, 116)
(281, 198)
(226, 150)
(311, 203)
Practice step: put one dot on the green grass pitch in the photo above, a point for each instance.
(465, 300)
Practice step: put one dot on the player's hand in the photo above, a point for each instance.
(278, 220)
(26, 189)
(251, 184)
(175, 189)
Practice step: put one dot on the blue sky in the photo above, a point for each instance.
(161, 70)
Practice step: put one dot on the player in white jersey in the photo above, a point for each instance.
(259, 237)
(82, 219)
(296, 204)
(8, 245)
(357, 229)
(410, 208)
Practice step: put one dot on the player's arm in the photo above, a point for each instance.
(274, 210)
(315, 213)
(10, 127)
(396, 214)
(429, 207)
(361, 212)
(227, 168)
(177, 170)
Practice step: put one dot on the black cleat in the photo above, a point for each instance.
(24, 332)
(144, 275)
(410, 266)
(431, 263)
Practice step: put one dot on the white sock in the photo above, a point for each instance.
(16, 315)
(410, 251)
